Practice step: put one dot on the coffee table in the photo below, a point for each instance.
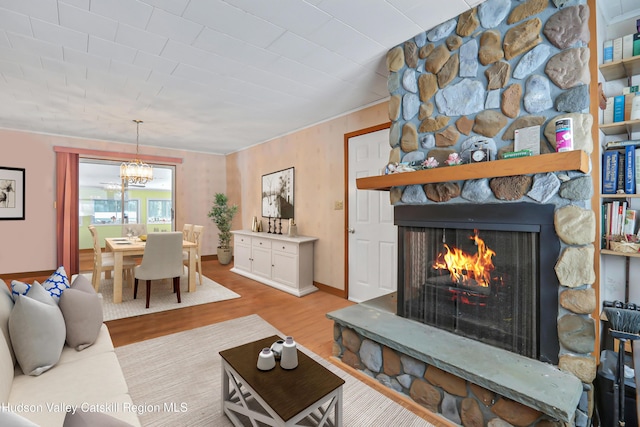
(279, 397)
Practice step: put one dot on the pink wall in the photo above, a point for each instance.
(317, 154)
(30, 245)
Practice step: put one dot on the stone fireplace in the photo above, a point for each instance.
(472, 83)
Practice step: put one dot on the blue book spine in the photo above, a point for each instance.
(618, 108)
(609, 172)
(608, 51)
(630, 170)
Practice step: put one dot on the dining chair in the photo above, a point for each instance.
(162, 259)
(187, 229)
(135, 229)
(103, 261)
(196, 237)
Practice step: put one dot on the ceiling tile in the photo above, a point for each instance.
(19, 57)
(337, 36)
(73, 56)
(111, 50)
(131, 12)
(15, 22)
(140, 39)
(428, 17)
(176, 7)
(129, 70)
(47, 10)
(10, 69)
(87, 22)
(233, 21)
(4, 40)
(225, 45)
(382, 22)
(154, 62)
(64, 68)
(174, 27)
(59, 35)
(34, 46)
(83, 4)
(296, 16)
(292, 46)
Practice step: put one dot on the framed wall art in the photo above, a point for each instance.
(277, 194)
(11, 193)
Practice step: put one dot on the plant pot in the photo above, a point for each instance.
(224, 255)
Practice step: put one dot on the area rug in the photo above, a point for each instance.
(176, 379)
(162, 297)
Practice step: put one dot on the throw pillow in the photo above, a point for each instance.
(57, 283)
(92, 419)
(14, 420)
(19, 288)
(81, 308)
(37, 331)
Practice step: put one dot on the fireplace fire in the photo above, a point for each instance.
(467, 269)
(486, 274)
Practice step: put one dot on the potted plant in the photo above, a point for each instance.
(222, 215)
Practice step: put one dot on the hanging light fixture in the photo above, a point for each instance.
(136, 171)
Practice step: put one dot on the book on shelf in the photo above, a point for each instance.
(608, 51)
(627, 46)
(630, 217)
(617, 49)
(630, 89)
(637, 155)
(636, 44)
(621, 144)
(607, 115)
(610, 172)
(618, 108)
(630, 170)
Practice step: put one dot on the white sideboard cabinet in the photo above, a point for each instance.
(285, 263)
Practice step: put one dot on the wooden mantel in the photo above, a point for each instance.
(576, 160)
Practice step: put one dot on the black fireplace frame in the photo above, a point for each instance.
(525, 217)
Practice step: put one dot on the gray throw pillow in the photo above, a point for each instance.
(37, 331)
(92, 419)
(82, 311)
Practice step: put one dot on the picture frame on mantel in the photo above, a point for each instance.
(277, 194)
(12, 193)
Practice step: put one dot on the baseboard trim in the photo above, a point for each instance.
(29, 274)
(400, 398)
(330, 290)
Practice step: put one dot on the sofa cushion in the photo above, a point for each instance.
(6, 373)
(57, 283)
(6, 305)
(82, 311)
(11, 419)
(92, 419)
(37, 331)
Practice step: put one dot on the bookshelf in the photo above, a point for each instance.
(621, 69)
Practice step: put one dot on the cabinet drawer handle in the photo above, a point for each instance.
(283, 247)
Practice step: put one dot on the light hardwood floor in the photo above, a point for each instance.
(303, 318)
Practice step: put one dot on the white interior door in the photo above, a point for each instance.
(372, 235)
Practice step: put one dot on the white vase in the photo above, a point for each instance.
(289, 356)
(266, 360)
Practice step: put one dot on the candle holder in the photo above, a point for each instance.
(269, 231)
(279, 225)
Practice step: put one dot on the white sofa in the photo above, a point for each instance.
(89, 380)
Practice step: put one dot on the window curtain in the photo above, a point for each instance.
(67, 211)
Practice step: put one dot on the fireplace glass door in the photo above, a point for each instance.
(482, 284)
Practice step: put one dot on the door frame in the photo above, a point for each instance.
(347, 137)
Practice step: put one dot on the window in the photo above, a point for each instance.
(108, 211)
(159, 211)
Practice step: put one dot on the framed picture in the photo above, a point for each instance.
(11, 193)
(277, 194)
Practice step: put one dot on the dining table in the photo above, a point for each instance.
(125, 246)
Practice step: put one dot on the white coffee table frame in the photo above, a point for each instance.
(236, 395)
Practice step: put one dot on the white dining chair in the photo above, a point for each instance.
(162, 259)
(187, 230)
(103, 261)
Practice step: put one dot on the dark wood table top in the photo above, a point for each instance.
(287, 392)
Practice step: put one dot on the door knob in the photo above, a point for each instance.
(351, 230)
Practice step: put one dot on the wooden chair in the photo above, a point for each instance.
(187, 229)
(162, 259)
(196, 237)
(103, 261)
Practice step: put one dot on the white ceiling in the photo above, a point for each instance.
(212, 76)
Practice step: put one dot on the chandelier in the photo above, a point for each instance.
(136, 171)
